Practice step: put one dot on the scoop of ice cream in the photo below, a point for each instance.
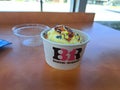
(63, 34)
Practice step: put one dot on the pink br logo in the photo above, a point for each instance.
(61, 55)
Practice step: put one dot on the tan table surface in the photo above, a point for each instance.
(24, 68)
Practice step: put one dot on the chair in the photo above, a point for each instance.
(45, 17)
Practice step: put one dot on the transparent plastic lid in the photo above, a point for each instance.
(29, 34)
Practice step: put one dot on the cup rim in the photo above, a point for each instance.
(56, 43)
(17, 27)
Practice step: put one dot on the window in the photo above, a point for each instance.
(35, 5)
(106, 10)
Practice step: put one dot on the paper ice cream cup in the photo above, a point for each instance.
(64, 56)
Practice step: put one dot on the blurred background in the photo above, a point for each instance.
(107, 12)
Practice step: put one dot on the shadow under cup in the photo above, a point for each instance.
(64, 56)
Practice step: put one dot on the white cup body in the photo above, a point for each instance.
(62, 56)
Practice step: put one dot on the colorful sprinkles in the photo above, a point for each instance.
(66, 33)
(59, 37)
